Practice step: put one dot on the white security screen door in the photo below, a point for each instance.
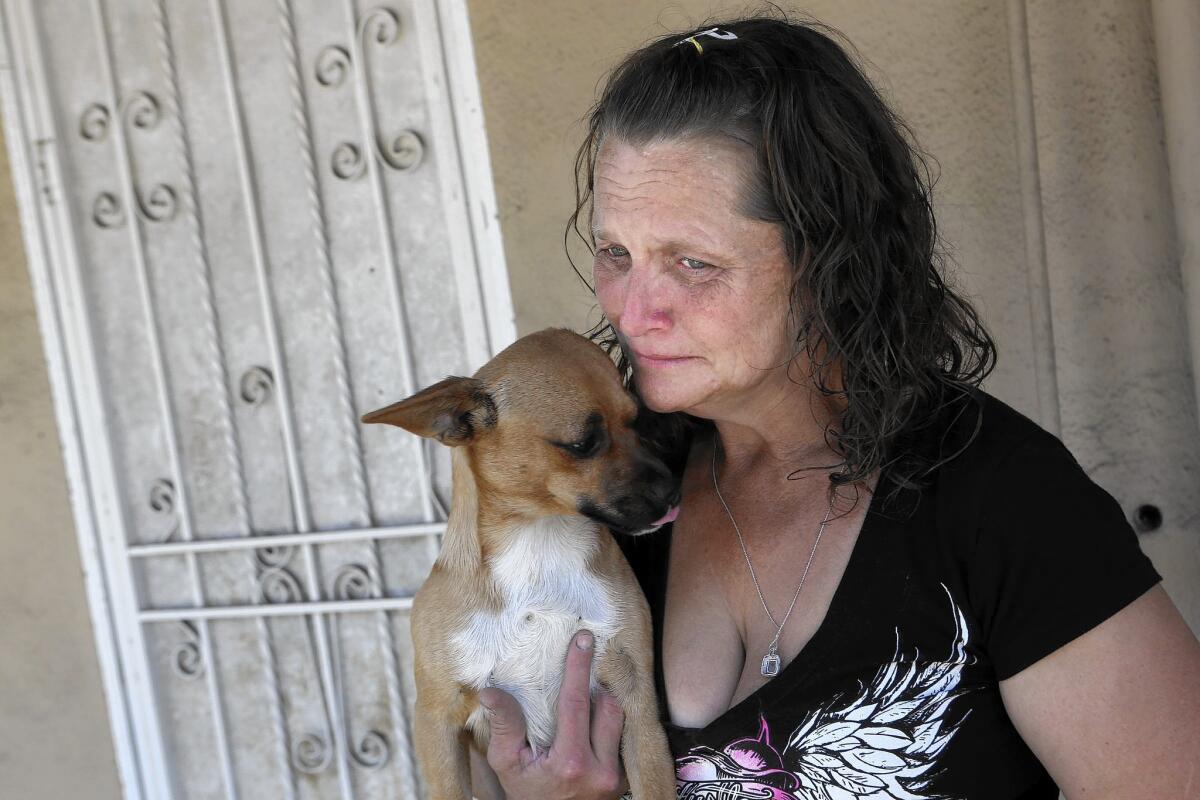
(248, 222)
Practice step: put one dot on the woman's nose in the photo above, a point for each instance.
(645, 307)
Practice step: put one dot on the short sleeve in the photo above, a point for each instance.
(1054, 555)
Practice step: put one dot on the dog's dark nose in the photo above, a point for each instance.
(652, 469)
(660, 485)
(666, 493)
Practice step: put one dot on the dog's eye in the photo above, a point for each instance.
(586, 447)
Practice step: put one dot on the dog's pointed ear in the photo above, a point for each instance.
(454, 411)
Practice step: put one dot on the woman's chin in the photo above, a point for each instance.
(665, 399)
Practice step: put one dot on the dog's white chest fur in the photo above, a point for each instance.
(548, 596)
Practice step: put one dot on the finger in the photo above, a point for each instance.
(507, 742)
(608, 721)
(485, 785)
(574, 704)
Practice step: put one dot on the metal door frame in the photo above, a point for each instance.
(48, 229)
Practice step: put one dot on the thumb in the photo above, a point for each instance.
(507, 740)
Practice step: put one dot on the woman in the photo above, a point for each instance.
(883, 582)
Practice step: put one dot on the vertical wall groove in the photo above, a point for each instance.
(1037, 270)
(1177, 45)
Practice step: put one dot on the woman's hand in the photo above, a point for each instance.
(584, 761)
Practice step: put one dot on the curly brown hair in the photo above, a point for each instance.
(844, 179)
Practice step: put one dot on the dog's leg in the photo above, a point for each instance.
(644, 750)
(648, 763)
(441, 749)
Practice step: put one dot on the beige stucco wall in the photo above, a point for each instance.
(943, 64)
(1128, 410)
(1127, 407)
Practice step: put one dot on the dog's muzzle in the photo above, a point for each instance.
(635, 514)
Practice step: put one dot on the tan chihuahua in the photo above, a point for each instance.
(545, 459)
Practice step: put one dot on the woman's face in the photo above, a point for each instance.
(697, 293)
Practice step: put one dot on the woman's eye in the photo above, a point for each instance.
(615, 251)
(693, 265)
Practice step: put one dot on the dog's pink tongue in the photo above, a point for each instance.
(668, 517)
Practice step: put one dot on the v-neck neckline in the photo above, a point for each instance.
(786, 679)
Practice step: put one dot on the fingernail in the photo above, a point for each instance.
(584, 640)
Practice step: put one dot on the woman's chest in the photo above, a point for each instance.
(893, 688)
(720, 589)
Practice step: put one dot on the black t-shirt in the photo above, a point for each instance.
(1010, 553)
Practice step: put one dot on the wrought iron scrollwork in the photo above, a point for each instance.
(162, 501)
(356, 582)
(311, 754)
(348, 163)
(404, 152)
(256, 386)
(187, 661)
(380, 25)
(372, 751)
(107, 212)
(278, 585)
(353, 582)
(159, 204)
(93, 123)
(333, 64)
(274, 556)
(141, 110)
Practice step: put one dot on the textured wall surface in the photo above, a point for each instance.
(1127, 408)
(943, 65)
(54, 734)
(1120, 333)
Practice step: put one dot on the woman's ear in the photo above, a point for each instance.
(455, 411)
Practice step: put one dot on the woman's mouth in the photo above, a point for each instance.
(659, 360)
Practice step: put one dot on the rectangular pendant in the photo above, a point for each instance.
(770, 665)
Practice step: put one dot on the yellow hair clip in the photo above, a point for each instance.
(716, 33)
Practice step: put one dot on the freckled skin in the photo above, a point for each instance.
(679, 272)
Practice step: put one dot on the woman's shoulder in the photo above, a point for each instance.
(1048, 552)
(990, 459)
(979, 434)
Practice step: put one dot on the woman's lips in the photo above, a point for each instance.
(660, 361)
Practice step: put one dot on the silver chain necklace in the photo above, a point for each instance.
(771, 661)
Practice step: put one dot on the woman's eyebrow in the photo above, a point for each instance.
(700, 248)
(675, 244)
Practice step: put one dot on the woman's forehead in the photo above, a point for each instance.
(673, 220)
(680, 158)
(703, 182)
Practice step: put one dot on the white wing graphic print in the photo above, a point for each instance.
(879, 745)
